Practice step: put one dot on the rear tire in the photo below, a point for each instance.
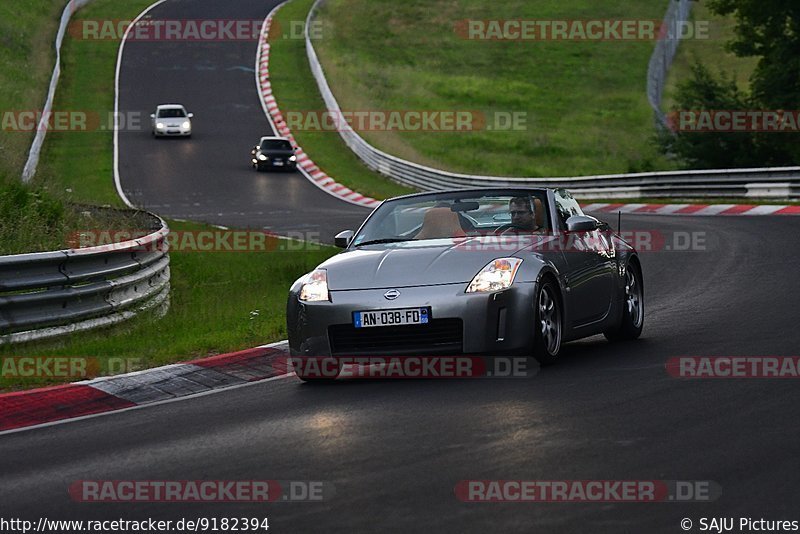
(633, 307)
(548, 324)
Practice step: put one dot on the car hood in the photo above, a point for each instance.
(415, 263)
(173, 122)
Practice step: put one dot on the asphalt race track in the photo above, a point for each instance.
(395, 449)
(208, 176)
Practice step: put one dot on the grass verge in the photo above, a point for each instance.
(295, 89)
(27, 34)
(585, 102)
(78, 163)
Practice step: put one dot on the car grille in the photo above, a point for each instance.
(440, 336)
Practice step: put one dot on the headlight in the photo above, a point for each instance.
(160, 125)
(292, 158)
(186, 125)
(497, 275)
(262, 157)
(315, 287)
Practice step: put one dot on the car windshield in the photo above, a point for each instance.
(171, 113)
(454, 215)
(276, 144)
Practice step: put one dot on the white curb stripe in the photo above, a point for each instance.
(763, 210)
(270, 107)
(714, 209)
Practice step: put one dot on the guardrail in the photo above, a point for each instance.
(36, 146)
(662, 57)
(46, 294)
(780, 182)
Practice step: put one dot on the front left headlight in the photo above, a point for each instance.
(497, 275)
(315, 286)
(186, 125)
(292, 158)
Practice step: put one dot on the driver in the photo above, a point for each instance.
(523, 215)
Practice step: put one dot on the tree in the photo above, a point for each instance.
(769, 29)
(708, 149)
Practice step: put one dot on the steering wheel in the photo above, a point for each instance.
(504, 228)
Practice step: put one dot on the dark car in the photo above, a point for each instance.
(274, 153)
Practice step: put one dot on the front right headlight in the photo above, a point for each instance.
(315, 286)
(160, 125)
(497, 275)
(262, 157)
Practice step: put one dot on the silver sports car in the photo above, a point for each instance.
(471, 271)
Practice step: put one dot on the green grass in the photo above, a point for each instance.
(295, 89)
(586, 106)
(77, 162)
(27, 34)
(212, 302)
(33, 219)
(711, 52)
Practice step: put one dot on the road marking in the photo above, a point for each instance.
(117, 182)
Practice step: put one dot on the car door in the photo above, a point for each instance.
(589, 277)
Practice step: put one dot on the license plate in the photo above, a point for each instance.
(405, 316)
(278, 163)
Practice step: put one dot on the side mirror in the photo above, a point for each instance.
(343, 239)
(190, 115)
(582, 223)
(152, 115)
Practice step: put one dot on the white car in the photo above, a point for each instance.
(171, 120)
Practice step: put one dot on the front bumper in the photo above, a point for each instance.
(493, 323)
(172, 132)
(270, 164)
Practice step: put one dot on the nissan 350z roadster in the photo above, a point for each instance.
(473, 272)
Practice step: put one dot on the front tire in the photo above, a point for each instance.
(633, 307)
(548, 324)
